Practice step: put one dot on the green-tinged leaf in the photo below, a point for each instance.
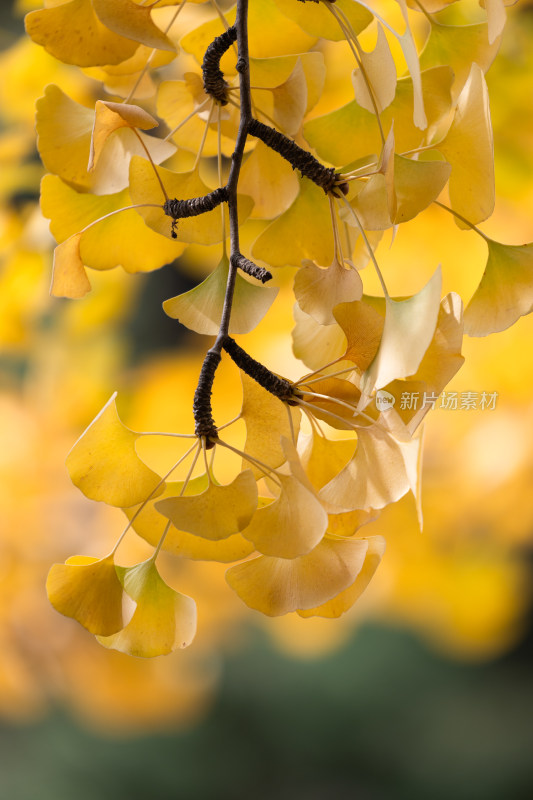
(506, 290)
(408, 330)
(351, 132)
(200, 309)
(218, 512)
(303, 231)
(104, 463)
(164, 620)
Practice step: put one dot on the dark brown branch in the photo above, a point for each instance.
(252, 269)
(179, 209)
(280, 387)
(214, 84)
(297, 157)
(203, 416)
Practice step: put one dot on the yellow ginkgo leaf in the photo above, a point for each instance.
(69, 276)
(346, 599)
(278, 586)
(104, 463)
(407, 43)
(317, 20)
(459, 46)
(440, 363)
(363, 327)
(132, 21)
(408, 330)
(382, 470)
(335, 401)
(120, 239)
(316, 344)
(318, 290)
(291, 525)
(303, 231)
(267, 420)
(89, 591)
(289, 101)
(375, 87)
(324, 458)
(271, 73)
(270, 34)
(496, 16)
(416, 185)
(164, 620)
(74, 34)
(150, 525)
(469, 148)
(270, 181)
(64, 130)
(200, 309)
(109, 117)
(218, 512)
(505, 292)
(350, 132)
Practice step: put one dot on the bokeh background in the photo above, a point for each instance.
(424, 690)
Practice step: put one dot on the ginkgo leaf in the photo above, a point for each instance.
(200, 309)
(363, 328)
(416, 185)
(121, 239)
(73, 33)
(324, 458)
(267, 420)
(440, 363)
(318, 21)
(218, 512)
(270, 73)
(64, 130)
(505, 292)
(459, 46)
(469, 148)
(496, 16)
(69, 276)
(316, 344)
(318, 290)
(350, 132)
(346, 599)
(303, 231)
(270, 181)
(337, 397)
(291, 525)
(407, 43)
(108, 118)
(89, 591)
(151, 525)
(379, 72)
(104, 463)
(407, 332)
(278, 586)
(163, 620)
(270, 33)
(132, 21)
(382, 470)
